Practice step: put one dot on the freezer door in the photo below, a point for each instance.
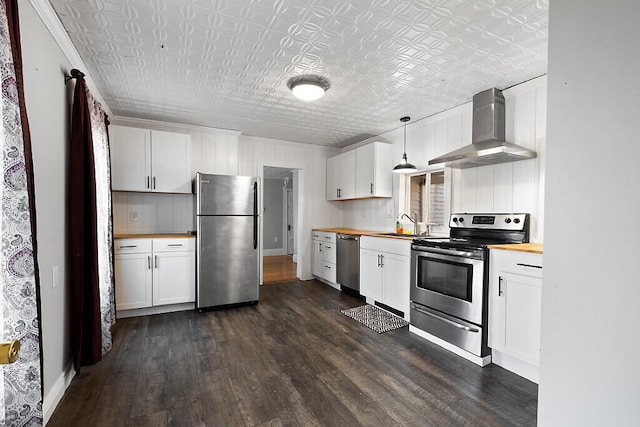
(227, 261)
(226, 195)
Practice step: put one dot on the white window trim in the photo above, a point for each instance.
(405, 200)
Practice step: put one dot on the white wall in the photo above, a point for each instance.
(48, 111)
(510, 187)
(589, 370)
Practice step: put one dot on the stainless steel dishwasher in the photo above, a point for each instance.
(348, 261)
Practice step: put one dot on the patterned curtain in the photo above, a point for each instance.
(91, 230)
(21, 382)
(102, 162)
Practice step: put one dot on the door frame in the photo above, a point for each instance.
(285, 220)
(298, 185)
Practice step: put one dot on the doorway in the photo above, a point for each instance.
(288, 221)
(279, 219)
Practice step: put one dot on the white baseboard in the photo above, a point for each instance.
(273, 252)
(325, 281)
(170, 308)
(55, 395)
(481, 361)
(516, 366)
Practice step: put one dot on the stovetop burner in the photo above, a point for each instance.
(478, 230)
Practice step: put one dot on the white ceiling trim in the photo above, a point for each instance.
(48, 16)
(146, 123)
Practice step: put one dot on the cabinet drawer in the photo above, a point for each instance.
(174, 244)
(324, 236)
(523, 263)
(329, 252)
(329, 271)
(132, 246)
(383, 244)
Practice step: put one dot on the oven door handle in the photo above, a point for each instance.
(464, 254)
(450, 322)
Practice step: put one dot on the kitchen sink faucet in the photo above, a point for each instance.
(414, 220)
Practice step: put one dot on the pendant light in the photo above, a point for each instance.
(404, 166)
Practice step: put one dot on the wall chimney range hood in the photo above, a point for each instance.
(488, 146)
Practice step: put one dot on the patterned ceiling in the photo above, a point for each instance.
(225, 63)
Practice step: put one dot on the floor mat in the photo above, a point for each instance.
(374, 318)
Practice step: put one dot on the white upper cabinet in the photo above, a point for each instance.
(148, 160)
(373, 171)
(130, 158)
(341, 176)
(171, 162)
(361, 173)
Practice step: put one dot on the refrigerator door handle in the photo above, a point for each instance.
(255, 215)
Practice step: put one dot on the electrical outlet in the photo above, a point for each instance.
(133, 216)
(275, 239)
(389, 213)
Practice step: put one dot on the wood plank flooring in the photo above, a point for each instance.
(291, 360)
(278, 269)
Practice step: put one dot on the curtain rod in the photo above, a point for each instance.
(75, 73)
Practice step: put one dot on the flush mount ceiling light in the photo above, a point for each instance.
(404, 166)
(308, 87)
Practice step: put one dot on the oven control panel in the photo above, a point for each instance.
(492, 221)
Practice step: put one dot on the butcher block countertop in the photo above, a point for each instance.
(364, 233)
(534, 248)
(152, 236)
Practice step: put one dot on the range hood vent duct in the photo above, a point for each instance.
(488, 146)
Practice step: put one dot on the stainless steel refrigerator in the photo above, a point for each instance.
(226, 209)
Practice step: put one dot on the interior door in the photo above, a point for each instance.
(290, 240)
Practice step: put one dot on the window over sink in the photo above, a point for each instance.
(425, 196)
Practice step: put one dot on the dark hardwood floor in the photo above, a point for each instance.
(292, 359)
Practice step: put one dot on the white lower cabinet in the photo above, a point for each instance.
(324, 257)
(154, 272)
(385, 270)
(515, 301)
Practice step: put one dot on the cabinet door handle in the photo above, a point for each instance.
(500, 286)
(148, 262)
(156, 261)
(447, 321)
(128, 246)
(381, 260)
(175, 245)
(529, 265)
(372, 188)
(148, 181)
(320, 244)
(154, 182)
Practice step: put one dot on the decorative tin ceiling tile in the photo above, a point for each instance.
(225, 63)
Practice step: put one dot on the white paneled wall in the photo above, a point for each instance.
(508, 187)
(517, 186)
(225, 152)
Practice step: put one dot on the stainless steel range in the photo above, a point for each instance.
(450, 279)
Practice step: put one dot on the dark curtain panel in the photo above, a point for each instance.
(86, 332)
